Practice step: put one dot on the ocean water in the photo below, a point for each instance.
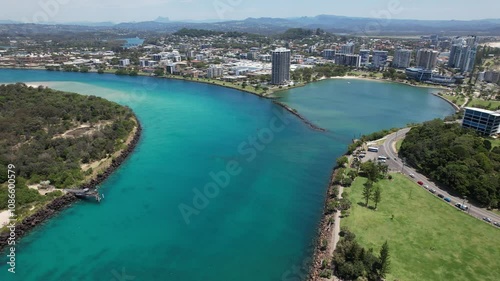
(261, 173)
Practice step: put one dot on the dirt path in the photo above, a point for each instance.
(336, 227)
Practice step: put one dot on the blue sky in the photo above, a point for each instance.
(140, 10)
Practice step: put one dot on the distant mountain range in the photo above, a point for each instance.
(330, 23)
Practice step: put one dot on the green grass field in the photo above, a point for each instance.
(398, 144)
(428, 238)
(492, 105)
(458, 100)
(494, 142)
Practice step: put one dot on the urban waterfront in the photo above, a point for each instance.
(260, 226)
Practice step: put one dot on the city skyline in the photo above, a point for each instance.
(62, 11)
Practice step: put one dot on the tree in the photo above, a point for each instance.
(367, 191)
(384, 260)
(346, 181)
(352, 174)
(487, 144)
(244, 85)
(371, 170)
(341, 161)
(159, 72)
(377, 195)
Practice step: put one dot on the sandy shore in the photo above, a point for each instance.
(4, 218)
(32, 84)
(437, 87)
(493, 44)
(356, 77)
(36, 84)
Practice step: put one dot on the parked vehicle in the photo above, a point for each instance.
(432, 190)
(426, 186)
(462, 206)
(497, 224)
(447, 199)
(486, 219)
(412, 175)
(440, 195)
(420, 182)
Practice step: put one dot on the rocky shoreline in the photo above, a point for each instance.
(294, 112)
(64, 201)
(324, 233)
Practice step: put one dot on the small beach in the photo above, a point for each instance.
(4, 218)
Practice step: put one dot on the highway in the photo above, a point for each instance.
(396, 164)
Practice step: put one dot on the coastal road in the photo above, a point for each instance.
(396, 164)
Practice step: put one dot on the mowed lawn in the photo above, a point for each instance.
(428, 238)
(491, 104)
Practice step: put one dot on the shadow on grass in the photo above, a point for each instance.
(362, 204)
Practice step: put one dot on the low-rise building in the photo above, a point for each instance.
(492, 76)
(215, 71)
(124, 62)
(484, 121)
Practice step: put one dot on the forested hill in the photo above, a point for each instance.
(49, 135)
(457, 158)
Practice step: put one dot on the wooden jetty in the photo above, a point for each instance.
(86, 193)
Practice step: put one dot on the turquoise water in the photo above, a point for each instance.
(260, 226)
(132, 42)
(351, 107)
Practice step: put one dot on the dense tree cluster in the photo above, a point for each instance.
(296, 33)
(318, 71)
(353, 262)
(457, 158)
(391, 73)
(33, 121)
(124, 71)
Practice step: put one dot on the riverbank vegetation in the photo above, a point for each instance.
(56, 137)
(457, 158)
(428, 239)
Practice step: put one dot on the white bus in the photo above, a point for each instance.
(373, 149)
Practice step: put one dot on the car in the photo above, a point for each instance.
(440, 195)
(496, 224)
(395, 158)
(432, 190)
(486, 219)
(412, 175)
(426, 186)
(447, 199)
(420, 182)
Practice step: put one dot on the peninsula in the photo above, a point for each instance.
(54, 141)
